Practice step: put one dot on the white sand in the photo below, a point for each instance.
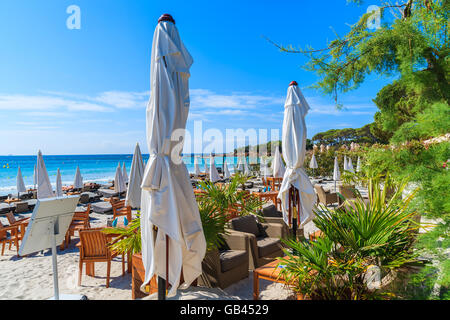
(32, 278)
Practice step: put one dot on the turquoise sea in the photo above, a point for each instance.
(93, 168)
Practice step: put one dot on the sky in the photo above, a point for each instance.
(84, 90)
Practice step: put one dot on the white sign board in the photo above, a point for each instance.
(50, 216)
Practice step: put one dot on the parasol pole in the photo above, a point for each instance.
(163, 284)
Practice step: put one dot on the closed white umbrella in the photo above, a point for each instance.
(264, 168)
(124, 173)
(240, 165)
(336, 172)
(226, 172)
(58, 190)
(34, 177)
(206, 166)
(78, 182)
(168, 200)
(213, 173)
(196, 167)
(134, 190)
(294, 150)
(350, 165)
(44, 188)
(358, 165)
(313, 163)
(345, 163)
(322, 148)
(246, 168)
(119, 183)
(278, 168)
(19, 182)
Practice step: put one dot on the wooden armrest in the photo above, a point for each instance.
(11, 227)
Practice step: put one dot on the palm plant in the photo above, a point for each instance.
(228, 197)
(355, 237)
(129, 239)
(213, 226)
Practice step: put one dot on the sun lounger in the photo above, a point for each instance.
(108, 193)
(102, 207)
(5, 208)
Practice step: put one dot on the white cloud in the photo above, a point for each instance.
(39, 103)
(121, 99)
(203, 98)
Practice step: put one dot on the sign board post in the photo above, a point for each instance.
(48, 225)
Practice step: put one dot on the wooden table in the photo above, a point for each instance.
(73, 193)
(268, 272)
(272, 195)
(9, 201)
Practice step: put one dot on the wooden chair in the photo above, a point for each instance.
(94, 248)
(120, 209)
(274, 183)
(13, 221)
(80, 221)
(13, 237)
(21, 223)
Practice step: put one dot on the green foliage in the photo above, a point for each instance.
(319, 271)
(226, 197)
(337, 137)
(213, 225)
(404, 45)
(129, 239)
(333, 267)
(431, 122)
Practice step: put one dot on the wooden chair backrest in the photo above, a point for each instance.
(93, 244)
(82, 215)
(274, 182)
(264, 181)
(11, 218)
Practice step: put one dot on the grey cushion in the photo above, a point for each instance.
(231, 259)
(266, 246)
(31, 203)
(5, 208)
(108, 193)
(84, 198)
(245, 224)
(270, 210)
(102, 207)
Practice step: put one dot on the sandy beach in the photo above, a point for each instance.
(31, 278)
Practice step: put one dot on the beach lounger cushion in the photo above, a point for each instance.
(31, 203)
(108, 193)
(102, 207)
(4, 208)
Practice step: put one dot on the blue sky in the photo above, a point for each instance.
(85, 91)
